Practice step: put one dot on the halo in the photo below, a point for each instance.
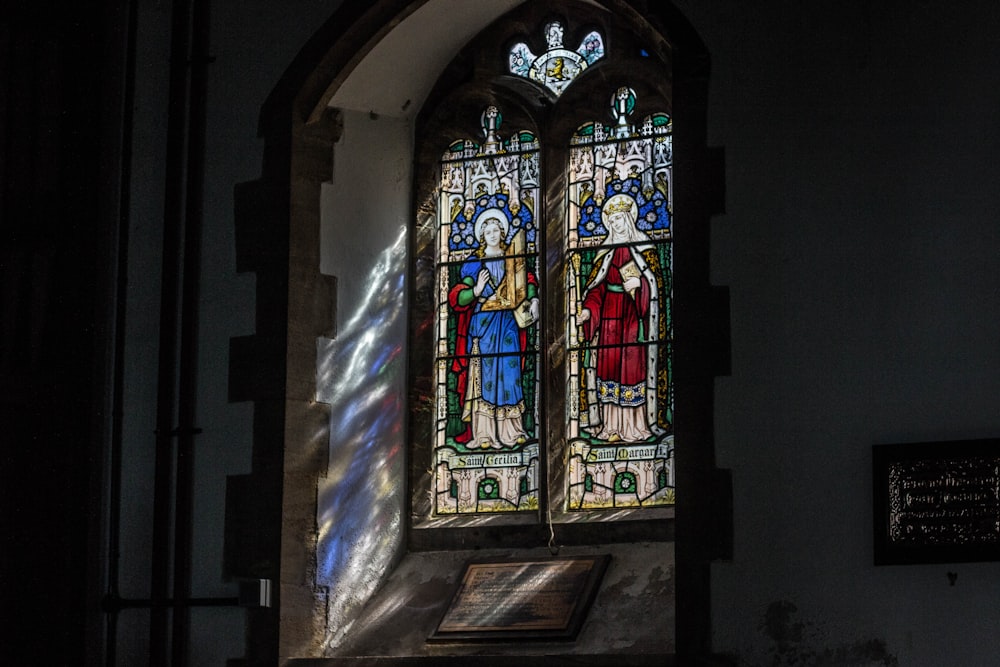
(490, 214)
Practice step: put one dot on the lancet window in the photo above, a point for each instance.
(487, 444)
(619, 269)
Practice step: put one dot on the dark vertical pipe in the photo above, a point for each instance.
(121, 295)
(188, 371)
(169, 302)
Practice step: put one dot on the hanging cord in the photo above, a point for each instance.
(553, 547)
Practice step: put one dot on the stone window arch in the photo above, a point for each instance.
(330, 309)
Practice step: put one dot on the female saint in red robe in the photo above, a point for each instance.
(618, 315)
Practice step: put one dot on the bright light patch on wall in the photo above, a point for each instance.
(361, 374)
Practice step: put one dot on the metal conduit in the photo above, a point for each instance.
(118, 369)
(166, 385)
(189, 329)
(178, 343)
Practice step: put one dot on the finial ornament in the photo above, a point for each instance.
(622, 106)
(491, 121)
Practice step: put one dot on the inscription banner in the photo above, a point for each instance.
(937, 502)
(490, 459)
(544, 598)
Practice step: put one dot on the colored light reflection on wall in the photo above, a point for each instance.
(361, 374)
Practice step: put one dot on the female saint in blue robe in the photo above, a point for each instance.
(490, 342)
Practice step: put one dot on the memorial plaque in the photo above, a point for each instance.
(937, 502)
(543, 598)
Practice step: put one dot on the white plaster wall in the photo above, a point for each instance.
(367, 204)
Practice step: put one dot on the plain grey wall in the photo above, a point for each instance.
(860, 248)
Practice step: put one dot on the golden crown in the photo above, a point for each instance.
(619, 204)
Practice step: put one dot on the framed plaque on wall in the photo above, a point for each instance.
(936, 502)
(514, 600)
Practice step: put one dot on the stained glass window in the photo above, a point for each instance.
(619, 296)
(557, 66)
(487, 359)
(608, 442)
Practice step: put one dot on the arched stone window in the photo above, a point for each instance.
(362, 134)
(549, 368)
